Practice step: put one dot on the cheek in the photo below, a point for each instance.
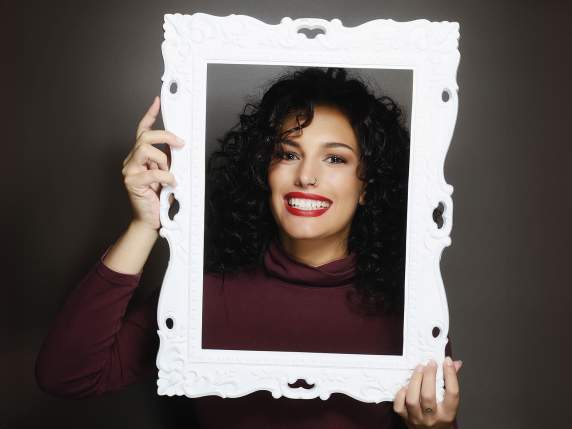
(277, 177)
(274, 183)
(271, 177)
(346, 187)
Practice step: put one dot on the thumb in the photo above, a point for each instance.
(458, 364)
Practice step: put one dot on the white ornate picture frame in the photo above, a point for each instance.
(430, 50)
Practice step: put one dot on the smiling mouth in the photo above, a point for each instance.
(306, 207)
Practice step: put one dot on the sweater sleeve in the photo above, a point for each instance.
(94, 345)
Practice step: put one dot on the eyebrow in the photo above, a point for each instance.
(327, 144)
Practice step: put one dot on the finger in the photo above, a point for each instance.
(149, 118)
(451, 398)
(428, 398)
(412, 394)
(145, 154)
(153, 166)
(399, 403)
(458, 365)
(148, 177)
(159, 136)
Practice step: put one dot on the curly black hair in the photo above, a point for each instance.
(239, 222)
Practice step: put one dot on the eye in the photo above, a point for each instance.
(288, 155)
(336, 159)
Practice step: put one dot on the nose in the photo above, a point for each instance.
(307, 174)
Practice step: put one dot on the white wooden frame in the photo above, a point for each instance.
(430, 49)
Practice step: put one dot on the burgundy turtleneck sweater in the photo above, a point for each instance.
(95, 345)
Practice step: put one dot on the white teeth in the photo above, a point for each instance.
(304, 204)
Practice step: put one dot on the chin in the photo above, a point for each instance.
(303, 236)
(303, 232)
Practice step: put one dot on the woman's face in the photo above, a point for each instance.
(327, 151)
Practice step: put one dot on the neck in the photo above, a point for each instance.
(315, 252)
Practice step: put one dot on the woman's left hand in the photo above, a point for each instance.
(416, 402)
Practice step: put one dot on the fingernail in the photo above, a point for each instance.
(460, 363)
(180, 140)
(419, 368)
(448, 361)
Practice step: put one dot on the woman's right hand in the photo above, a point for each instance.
(146, 169)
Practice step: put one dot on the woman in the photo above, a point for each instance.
(305, 218)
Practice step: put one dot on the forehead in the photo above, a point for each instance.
(328, 123)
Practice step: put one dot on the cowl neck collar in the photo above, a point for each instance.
(279, 263)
